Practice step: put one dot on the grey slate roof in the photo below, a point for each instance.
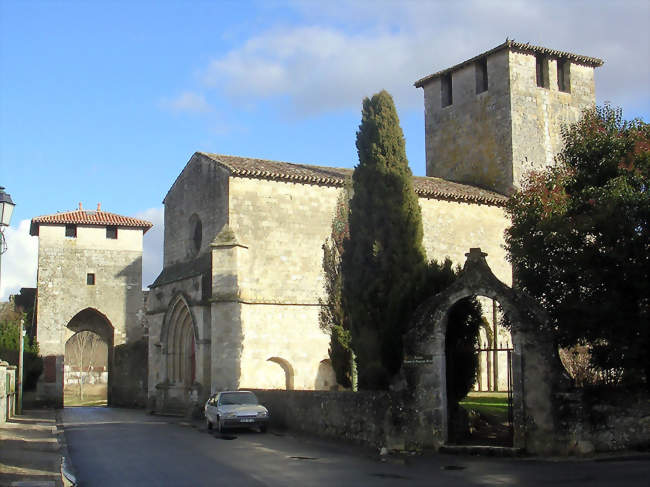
(519, 47)
(425, 187)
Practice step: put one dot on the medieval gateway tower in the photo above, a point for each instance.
(90, 279)
(236, 304)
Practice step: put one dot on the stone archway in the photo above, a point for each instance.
(178, 389)
(287, 369)
(537, 372)
(91, 320)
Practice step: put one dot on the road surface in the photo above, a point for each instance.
(120, 447)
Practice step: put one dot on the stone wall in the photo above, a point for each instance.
(63, 264)
(370, 418)
(538, 114)
(451, 228)
(129, 375)
(470, 141)
(284, 226)
(592, 421)
(379, 418)
(201, 189)
(493, 138)
(111, 307)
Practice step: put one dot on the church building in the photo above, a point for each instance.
(236, 304)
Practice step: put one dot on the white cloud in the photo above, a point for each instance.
(20, 261)
(351, 50)
(152, 252)
(187, 102)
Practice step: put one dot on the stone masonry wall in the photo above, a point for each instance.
(493, 138)
(288, 333)
(370, 418)
(284, 226)
(63, 292)
(538, 114)
(451, 228)
(201, 189)
(469, 141)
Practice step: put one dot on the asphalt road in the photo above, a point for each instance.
(119, 447)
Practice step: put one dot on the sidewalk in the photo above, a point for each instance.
(30, 450)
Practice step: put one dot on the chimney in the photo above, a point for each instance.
(80, 207)
(99, 207)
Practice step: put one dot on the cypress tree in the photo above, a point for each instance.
(384, 255)
(332, 317)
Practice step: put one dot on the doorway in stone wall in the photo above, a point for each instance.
(534, 361)
(478, 354)
(87, 360)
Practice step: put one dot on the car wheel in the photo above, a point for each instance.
(208, 423)
(263, 428)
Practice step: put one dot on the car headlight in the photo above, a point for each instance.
(262, 414)
(229, 415)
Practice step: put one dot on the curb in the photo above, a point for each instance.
(68, 477)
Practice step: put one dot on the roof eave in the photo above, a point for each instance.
(515, 46)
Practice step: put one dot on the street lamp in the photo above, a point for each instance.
(6, 210)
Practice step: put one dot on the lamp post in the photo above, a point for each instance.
(6, 210)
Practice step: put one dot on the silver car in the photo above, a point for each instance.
(235, 409)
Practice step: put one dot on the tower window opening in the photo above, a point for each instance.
(563, 75)
(71, 231)
(481, 75)
(446, 90)
(541, 70)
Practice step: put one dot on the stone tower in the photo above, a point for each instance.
(89, 279)
(491, 119)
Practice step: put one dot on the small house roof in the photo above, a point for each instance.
(88, 218)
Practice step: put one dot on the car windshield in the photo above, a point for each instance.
(238, 398)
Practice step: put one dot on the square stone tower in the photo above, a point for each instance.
(89, 279)
(491, 119)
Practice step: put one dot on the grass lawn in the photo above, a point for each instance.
(94, 395)
(492, 405)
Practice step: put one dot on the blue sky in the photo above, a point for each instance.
(106, 101)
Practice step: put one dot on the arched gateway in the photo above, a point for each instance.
(537, 372)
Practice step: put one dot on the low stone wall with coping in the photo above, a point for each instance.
(587, 422)
(604, 421)
(370, 418)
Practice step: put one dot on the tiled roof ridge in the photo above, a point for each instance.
(517, 46)
(91, 217)
(428, 187)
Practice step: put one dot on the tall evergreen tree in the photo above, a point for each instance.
(332, 317)
(384, 254)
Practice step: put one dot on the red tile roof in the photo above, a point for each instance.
(89, 218)
(425, 187)
(519, 47)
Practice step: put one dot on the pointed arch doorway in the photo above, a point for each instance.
(179, 355)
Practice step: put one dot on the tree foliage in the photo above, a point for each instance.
(332, 317)
(10, 346)
(579, 240)
(384, 251)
